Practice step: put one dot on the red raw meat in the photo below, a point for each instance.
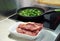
(30, 28)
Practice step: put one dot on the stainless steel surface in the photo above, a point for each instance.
(58, 38)
(4, 26)
(24, 3)
(2, 17)
(49, 36)
(57, 31)
(7, 5)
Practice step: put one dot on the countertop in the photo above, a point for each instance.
(4, 25)
(2, 17)
(5, 35)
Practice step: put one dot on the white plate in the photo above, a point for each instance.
(12, 30)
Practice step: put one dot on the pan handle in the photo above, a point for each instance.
(46, 13)
(54, 21)
(55, 10)
(50, 12)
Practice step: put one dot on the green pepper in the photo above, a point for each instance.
(30, 12)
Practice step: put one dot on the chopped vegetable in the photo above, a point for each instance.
(30, 12)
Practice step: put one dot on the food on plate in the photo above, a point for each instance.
(50, 2)
(30, 12)
(29, 28)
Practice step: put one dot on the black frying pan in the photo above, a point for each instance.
(31, 19)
